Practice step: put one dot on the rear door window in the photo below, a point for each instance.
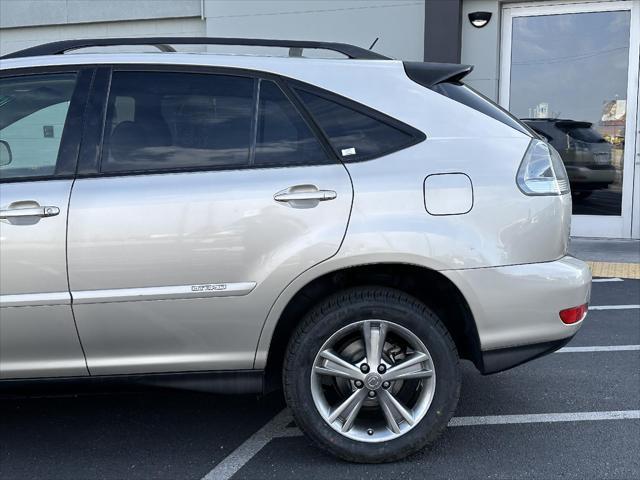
(169, 121)
(357, 134)
(283, 137)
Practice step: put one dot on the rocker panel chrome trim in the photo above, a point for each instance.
(35, 299)
(163, 293)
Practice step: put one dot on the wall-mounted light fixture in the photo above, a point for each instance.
(479, 19)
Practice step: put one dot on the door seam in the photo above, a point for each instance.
(66, 254)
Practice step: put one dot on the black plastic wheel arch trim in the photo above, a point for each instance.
(499, 360)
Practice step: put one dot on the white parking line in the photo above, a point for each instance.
(597, 280)
(277, 428)
(614, 307)
(611, 348)
(245, 452)
(544, 418)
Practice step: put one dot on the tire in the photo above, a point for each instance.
(396, 313)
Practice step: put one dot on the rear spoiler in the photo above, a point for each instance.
(430, 74)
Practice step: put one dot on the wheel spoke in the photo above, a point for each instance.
(355, 409)
(337, 367)
(374, 334)
(401, 409)
(349, 402)
(409, 369)
(410, 375)
(387, 409)
(331, 371)
(357, 375)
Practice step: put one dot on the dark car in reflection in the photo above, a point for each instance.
(586, 154)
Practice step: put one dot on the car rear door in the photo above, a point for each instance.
(40, 120)
(208, 195)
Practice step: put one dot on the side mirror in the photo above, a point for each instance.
(5, 153)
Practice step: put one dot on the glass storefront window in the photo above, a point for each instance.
(568, 82)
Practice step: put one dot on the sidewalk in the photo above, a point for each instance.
(608, 258)
(605, 250)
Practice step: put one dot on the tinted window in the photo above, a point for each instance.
(33, 110)
(545, 131)
(166, 120)
(584, 134)
(354, 134)
(467, 96)
(283, 137)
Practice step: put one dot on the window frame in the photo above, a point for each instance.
(417, 136)
(72, 131)
(92, 150)
(314, 129)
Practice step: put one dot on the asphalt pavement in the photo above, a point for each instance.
(571, 414)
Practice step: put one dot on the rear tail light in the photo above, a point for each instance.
(542, 171)
(574, 314)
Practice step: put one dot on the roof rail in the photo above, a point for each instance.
(162, 43)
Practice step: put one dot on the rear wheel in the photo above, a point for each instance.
(372, 375)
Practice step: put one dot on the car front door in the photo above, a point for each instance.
(209, 194)
(40, 115)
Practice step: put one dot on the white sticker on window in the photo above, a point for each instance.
(348, 151)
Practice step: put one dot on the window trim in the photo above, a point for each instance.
(417, 136)
(308, 118)
(73, 129)
(308, 121)
(83, 132)
(96, 112)
(200, 168)
(90, 157)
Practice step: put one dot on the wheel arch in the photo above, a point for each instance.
(429, 286)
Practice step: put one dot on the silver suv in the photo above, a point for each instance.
(347, 228)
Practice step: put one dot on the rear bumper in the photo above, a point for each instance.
(578, 175)
(494, 361)
(516, 308)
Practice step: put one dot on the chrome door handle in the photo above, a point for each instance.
(29, 212)
(318, 195)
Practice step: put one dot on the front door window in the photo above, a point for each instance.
(33, 110)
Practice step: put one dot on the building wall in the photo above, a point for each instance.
(399, 24)
(13, 39)
(30, 13)
(480, 47)
(24, 23)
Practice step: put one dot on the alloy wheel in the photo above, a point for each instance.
(373, 381)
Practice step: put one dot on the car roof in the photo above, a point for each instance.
(270, 64)
(203, 58)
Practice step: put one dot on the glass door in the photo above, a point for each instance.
(570, 71)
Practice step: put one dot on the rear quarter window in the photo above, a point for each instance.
(357, 133)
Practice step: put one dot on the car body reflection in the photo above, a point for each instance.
(587, 156)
